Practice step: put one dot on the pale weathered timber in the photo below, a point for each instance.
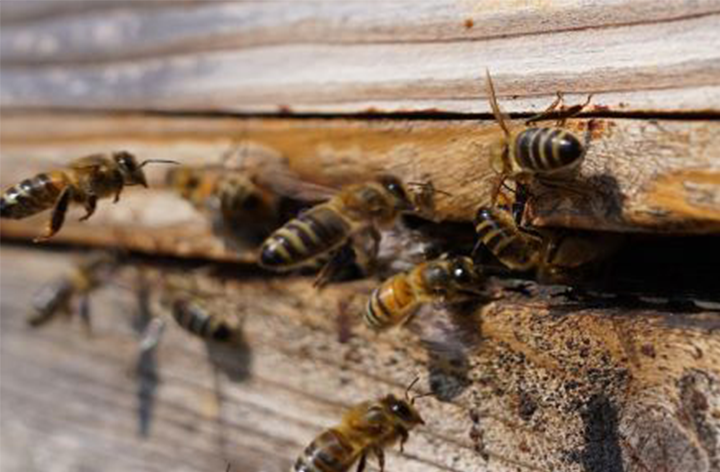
(656, 176)
(521, 383)
(327, 56)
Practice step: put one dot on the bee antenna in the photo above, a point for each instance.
(494, 104)
(419, 395)
(157, 161)
(407, 390)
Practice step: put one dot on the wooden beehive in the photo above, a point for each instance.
(342, 90)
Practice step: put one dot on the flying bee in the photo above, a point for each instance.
(399, 297)
(240, 209)
(84, 181)
(368, 427)
(191, 314)
(551, 253)
(57, 296)
(355, 214)
(544, 153)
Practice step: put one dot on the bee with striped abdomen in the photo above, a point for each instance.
(240, 209)
(366, 428)
(399, 297)
(545, 153)
(355, 214)
(553, 254)
(56, 297)
(498, 231)
(84, 182)
(191, 314)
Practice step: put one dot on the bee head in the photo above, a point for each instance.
(132, 171)
(464, 274)
(396, 189)
(402, 411)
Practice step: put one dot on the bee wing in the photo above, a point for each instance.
(286, 183)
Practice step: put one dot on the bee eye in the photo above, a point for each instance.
(402, 411)
(461, 274)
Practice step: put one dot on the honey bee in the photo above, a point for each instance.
(191, 314)
(368, 427)
(355, 214)
(84, 181)
(57, 296)
(552, 253)
(399, 297)
(544, 153)
(240, 209)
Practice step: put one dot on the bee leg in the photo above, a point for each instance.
(117, 194)
(404, 436)
(367, 253)
(361, 463)
(85, 313)
(338, 259)
(58, 216)
(90, 205)
(380, 454)
(547, 112)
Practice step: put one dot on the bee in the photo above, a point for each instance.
(497, 230)
(57, 296)
(84, 181)
(355, 214)
(399, 297)
(367, 427)
(551, 253)
(545, 153)
(191, 314)
(240, 209)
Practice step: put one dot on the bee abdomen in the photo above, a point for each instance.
(197, 321)
(29, 197)
(390, 304)
(547, 149)
(303, 239)
(504, 241)
(329, 452)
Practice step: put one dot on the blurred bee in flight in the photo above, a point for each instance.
(57, 296)
(241, 209)
(354, 215)
(547, 154)
(366, 428)
(399, 297)
(84, 181)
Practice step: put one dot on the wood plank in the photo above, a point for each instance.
(643, 176)
(355, 56)
(539, 383)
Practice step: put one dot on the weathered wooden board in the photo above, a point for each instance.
(520, 384)
(644, 175)
(326, 56)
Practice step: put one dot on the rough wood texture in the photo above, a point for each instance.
(645, 176)
(529, 383)
(331, 56)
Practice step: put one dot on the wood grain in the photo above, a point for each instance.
(643, 176)
(329, 57)
(521, 383)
